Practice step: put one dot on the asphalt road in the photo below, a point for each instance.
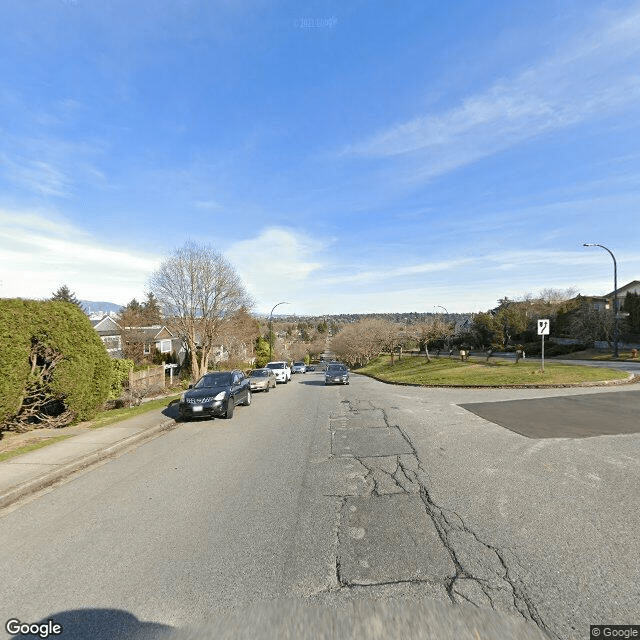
(360, 511)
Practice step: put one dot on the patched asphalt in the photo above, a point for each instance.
(578, 416)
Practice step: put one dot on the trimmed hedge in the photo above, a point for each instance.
(49, 350)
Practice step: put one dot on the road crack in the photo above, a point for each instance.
(484, 575)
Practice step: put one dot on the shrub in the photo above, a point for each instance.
(119, 376)
(55, 367)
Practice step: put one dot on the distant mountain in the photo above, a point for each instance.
(100, 308)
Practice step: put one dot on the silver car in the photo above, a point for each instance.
(262, 379)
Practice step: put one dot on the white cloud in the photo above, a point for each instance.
(276, 264)
(593, 77)
(39, 252)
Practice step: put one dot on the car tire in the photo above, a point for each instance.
(247, 402)
(228, 414)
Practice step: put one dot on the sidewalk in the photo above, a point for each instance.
(30, 472)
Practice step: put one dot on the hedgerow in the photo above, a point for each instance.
(55, 369)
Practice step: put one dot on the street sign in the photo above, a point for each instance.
(543, 327)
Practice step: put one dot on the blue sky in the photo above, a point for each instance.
(360, 156)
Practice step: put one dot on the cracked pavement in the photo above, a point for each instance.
(433, 545)
(402, 529)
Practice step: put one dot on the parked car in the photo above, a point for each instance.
(215, 394)
(262, 379)
(336, 374)
(299, 367)
(281, 369)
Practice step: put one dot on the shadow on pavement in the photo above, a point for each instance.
(171, 411)
(98, 624)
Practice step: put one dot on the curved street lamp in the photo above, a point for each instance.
(615, 295)
(447, 339)
(271, 330)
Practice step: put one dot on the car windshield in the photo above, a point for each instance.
(276, 365)
(259, 373)
(213, 380)
(336, 368)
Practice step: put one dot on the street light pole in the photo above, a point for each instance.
(615, 295)
(447, 340)
(271, 330)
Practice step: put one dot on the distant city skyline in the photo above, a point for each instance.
(358, 158)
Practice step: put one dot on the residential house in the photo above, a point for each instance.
(150, 339)
(604, 302)
(110, 334)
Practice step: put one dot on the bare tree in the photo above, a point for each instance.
(429, 332)
(198, 289)
(238, 334)
(357, 344)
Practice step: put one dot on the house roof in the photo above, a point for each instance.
(153, 333)
(106, 326)
(631, 287)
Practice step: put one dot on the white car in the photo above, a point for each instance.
(299, 367)
(281, 369)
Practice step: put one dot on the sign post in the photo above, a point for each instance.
(543, 330)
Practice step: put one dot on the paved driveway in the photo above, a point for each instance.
(579, 416)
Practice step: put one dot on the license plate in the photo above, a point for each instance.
(196, 408)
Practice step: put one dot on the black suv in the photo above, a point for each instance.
(215, 394)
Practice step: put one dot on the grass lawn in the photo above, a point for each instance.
(112, 416)
(477, 372)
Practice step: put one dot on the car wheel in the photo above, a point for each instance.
(247, 402)
(230, 406)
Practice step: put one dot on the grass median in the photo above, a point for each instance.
(479, 373)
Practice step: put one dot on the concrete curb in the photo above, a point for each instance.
(45, 480)
(631, 379)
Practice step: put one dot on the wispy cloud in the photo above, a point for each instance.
(384, 273)
(40, 251)
(593, 77)
(49, 166)
(37, 176)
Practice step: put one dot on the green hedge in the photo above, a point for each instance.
(79, 383)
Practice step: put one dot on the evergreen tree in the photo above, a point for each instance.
(64, 294)
(151, 310)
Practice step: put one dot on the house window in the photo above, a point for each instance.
(165, 346)
(147, 349)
